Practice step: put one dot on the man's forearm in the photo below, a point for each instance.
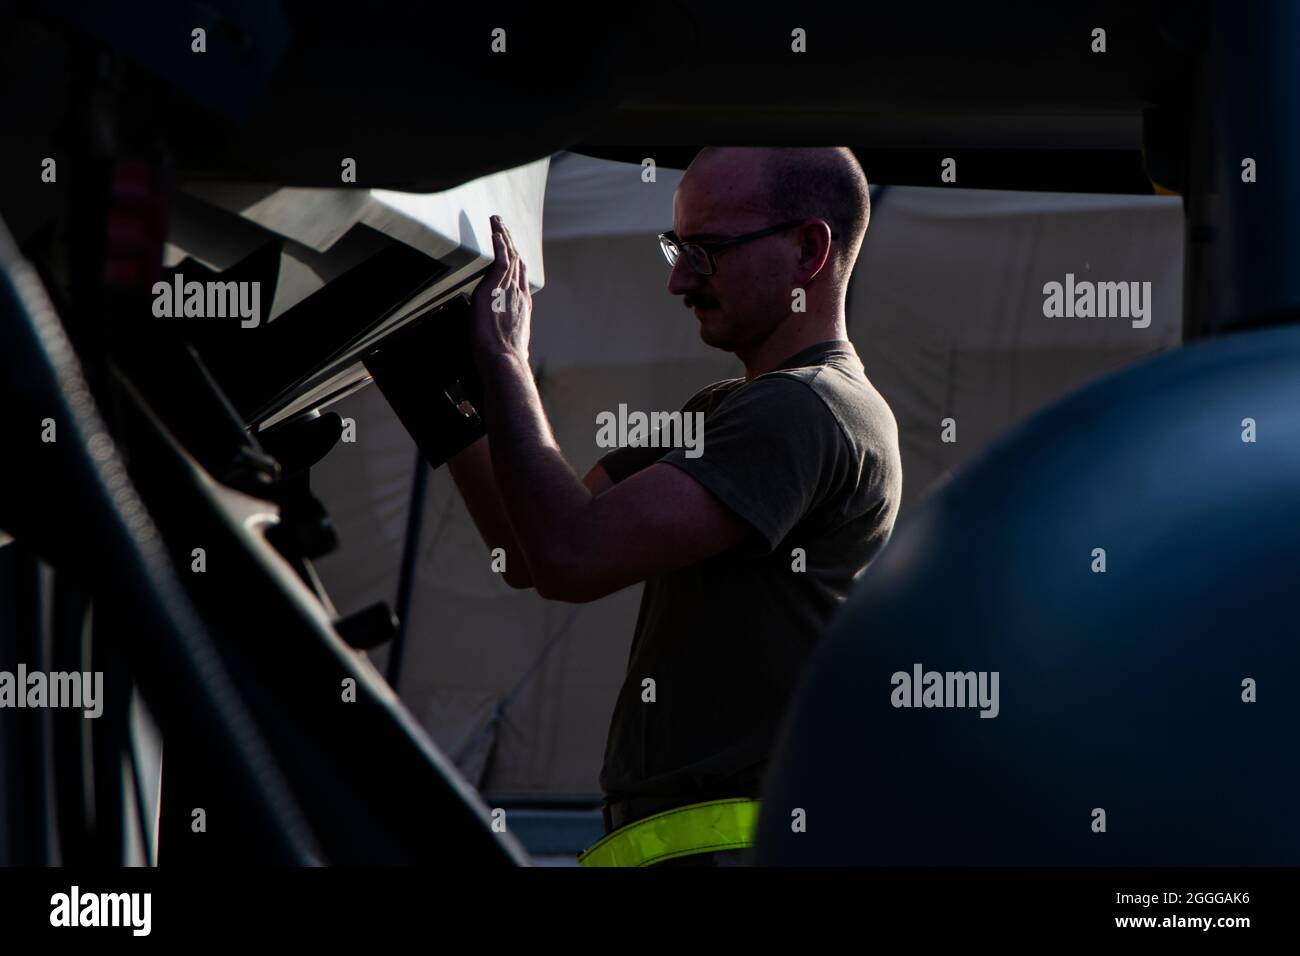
(544, 499)
(472, 471)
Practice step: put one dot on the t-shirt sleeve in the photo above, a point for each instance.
(626, 461)
(771, 453)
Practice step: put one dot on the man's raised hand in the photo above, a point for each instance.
(502, 304)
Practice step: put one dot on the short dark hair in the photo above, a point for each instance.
(823, 182)
(826, 183)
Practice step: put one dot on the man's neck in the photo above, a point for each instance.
(788, 339)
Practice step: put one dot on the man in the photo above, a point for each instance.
(747, 548)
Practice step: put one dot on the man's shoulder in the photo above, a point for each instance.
(719, 387)
(712, 394)
(833, 393)
(840, 391)
(841, 384)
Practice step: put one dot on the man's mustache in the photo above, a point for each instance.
(691, 301)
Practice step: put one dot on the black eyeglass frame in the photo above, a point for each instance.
(669, 239)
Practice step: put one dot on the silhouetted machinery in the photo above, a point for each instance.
(1155, 691)
(1152, 698)
(1145, 712)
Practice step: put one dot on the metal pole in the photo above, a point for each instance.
(410, 554)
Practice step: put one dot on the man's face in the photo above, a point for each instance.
(749, 293)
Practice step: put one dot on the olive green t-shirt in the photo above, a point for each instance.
(807, 455)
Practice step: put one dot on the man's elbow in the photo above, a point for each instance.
(563, 570)
(519, 580)
(568, 592)
(565, 584)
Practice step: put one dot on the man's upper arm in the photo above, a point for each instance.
(656, 521)
(624, 462)
(769, 455)
(772, 454)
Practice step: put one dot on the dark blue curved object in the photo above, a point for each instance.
(1120, 690)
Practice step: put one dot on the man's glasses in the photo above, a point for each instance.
(699, 255)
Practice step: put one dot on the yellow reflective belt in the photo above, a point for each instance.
(695, 828)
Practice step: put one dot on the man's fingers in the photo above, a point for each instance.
(514, 255)
(501, 258)
(500, 252)
(517, 259)
(512, 274)
(508, 266)
(512, 277)
(510, 240)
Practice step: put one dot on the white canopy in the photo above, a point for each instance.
(945, 311)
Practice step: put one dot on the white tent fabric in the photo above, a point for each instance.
(946, 311)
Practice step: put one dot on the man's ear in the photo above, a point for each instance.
(814, 248)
